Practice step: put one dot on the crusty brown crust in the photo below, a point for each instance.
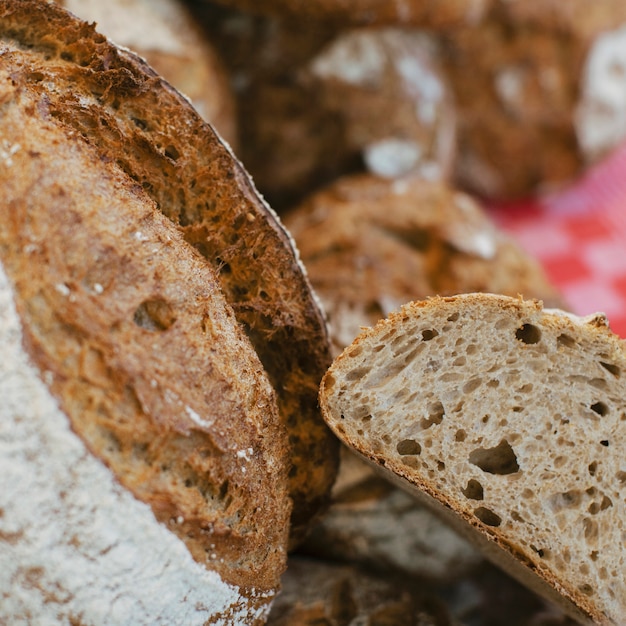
(603, 351)
(138, 121)
(139, 345)
(165, 34)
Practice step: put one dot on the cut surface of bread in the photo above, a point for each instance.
(510, 420)
(116, 103)
(133, 336)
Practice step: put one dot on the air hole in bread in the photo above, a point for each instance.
(597, 507)
(565, 500)
(460, 435)
(587, 589)
(593, 467)
(621, 477)
(436, 413)
(453, 317)
(472, 384)
(429, 334)
(357, 374)
(139, 123)
(604, 443)
(498, 460)
(528, 333)
(590, 530)
(408, 446)
(565, 341)
(474, 490)
(172, 153)
(154, 315)
(611, 367)
(460, 361)
(487, 516)
(600, 408)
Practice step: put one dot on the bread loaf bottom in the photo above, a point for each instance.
(510, 419)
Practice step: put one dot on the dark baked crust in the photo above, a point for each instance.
(136, 340)
(115, 102)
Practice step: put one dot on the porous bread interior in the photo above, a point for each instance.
(117, 103)
(512, 416)
(141, 349)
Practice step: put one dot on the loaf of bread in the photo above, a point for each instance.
(144, 463)
(115, 102)
(539, 85)
(316, 101)
(509, 420)
(371, 244)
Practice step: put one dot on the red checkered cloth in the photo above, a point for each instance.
(579, 235)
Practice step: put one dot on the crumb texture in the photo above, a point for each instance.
(511, 415)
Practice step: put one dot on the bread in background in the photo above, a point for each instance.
(316, 101)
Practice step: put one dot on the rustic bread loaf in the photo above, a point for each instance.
(136, 120)
(165, 34)
(144, 462)
(509, 419)
(370, 245)
(316, 102)
(541, 85)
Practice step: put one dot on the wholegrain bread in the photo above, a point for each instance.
(116, 103)
(508, 419)
(370, 245)
(144, 461)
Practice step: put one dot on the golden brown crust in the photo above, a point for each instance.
(138, 121)
(139, 344)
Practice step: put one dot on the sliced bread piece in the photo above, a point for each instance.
(510, 420)
(115, 102)
(144, 462)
